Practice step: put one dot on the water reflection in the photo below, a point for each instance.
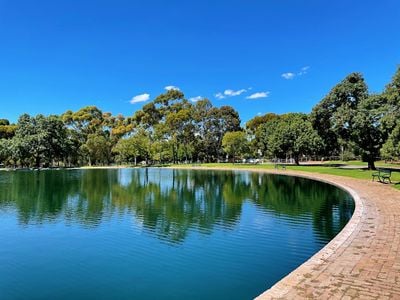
(169, 203)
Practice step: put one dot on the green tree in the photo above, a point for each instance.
(40, 140)
(218, 122)
(333, 116)
(129, 149)
(291, 135)
(257, 146)
(7, 131)
(97, 148)
(87, 120)
(391, 117)
(235, 144)
(6, 151)
(392, 97)
(367, 132)
(391, 148)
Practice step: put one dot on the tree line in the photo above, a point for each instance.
(348, 121)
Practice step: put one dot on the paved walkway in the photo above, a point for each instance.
(363, 261)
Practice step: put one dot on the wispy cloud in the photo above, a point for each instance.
(229, 93)
(219, 96)
(195, 99)
(172, 87)
(291, 75)
(140, 98)
(232, 93)
(303, 70)
(258, 95)
(288, 75)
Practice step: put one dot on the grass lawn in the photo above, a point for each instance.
(354, 173)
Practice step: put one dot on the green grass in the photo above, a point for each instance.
(354, 173)
(363, 164)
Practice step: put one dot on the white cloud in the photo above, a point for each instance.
(291, 75)
(229, 93)
(195, 99)
(303, 70)
(288, 75)
(140, 98)
(232, 93)
(219, 96)
(172, 87)
(258, 95)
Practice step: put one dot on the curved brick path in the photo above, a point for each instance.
(363, 260)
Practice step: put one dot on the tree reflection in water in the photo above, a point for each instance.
(168, 203)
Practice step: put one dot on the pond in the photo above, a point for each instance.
(159, 233)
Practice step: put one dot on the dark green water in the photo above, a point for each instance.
(159, 233)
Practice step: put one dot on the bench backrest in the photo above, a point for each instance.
(385, 171)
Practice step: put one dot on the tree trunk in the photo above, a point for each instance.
(371, 164)
(296, 160)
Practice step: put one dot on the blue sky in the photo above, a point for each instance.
(59, 55)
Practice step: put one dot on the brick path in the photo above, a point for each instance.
(363, 261)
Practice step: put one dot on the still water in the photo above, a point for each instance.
(159, 233)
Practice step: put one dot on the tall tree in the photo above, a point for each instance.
(333, 116)
(291, 135)
(98, 149)
(257, 147)
(87, 120)
(391, 148)
(219, 121)
(235, 144)
(367, 132)
(7, 131)
(129, 149)
(6, 151)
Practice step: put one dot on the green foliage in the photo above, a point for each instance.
(6, 151)
(4, 122)
(290, 135)
(366, 131)
(349, 115)
(39, 140)
(253, 124)
(391, 94)
(332, 117)
(129, 149)
(97, 148)
(7, 131)
(391, 149)
(235, 143)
